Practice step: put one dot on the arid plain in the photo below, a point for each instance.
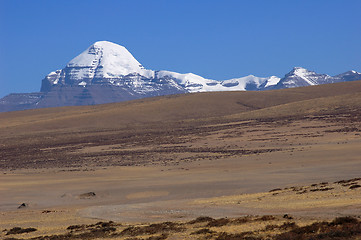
(252, 164)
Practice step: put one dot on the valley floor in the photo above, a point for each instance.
(300, 171)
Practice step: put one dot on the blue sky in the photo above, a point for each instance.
(214, 39)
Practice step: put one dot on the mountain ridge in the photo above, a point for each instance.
(107, 72)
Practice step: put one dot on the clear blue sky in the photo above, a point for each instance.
(215, 39)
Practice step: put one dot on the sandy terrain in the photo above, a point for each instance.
(220, 186)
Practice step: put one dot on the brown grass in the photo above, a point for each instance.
(62, 137)
(172, 108)
(239, 132)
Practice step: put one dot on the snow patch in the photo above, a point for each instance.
(273, 80)
(304, 73)
(82, 84)
(195, 83)
(106, 60)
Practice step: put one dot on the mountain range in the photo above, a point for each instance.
(107, 72)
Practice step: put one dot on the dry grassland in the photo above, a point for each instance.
(258, 165)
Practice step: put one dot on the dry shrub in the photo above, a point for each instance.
(19, 230)
(355, 186)
(288, 225)
(76, 227)
(275, 190)
(99, 230)
(153, 229)
(348, 181)
(237, 236)
(201, 220)
(344, 220)
(203, 231)
(161, 237)
(321, 189)
(271, 227)
(266, 218)
(342, 228)
(218, 222)
(242, 220)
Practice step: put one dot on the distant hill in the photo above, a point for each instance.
(190, 107)
(133, 131)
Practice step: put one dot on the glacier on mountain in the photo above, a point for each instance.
(109, 63)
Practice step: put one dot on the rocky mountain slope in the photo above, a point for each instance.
(107, 72)
(301, 77)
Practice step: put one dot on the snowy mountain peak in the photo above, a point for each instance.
(352, 72)
(300, 77)
(105, 59)
(102, 62)
(299, 71)
(348, 76)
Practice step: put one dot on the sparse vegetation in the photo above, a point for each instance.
(201, 220)
(266, 218)
(275, 190)
(242, 220)
(341, 228)
(321, 189)
(203, 231)
(111, 137)
(218, 222)
(19, 230)
(355, 186)
(153, 229)
(348, 181)
(122, 126)
(236, 236)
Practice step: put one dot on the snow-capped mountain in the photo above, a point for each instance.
(194, 83)
(109, 63)
(301, 77)
(347, 76)
(107, 72)
(102, 62)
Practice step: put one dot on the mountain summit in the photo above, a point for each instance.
(102, 62)
(301, 77)
(107, 72)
